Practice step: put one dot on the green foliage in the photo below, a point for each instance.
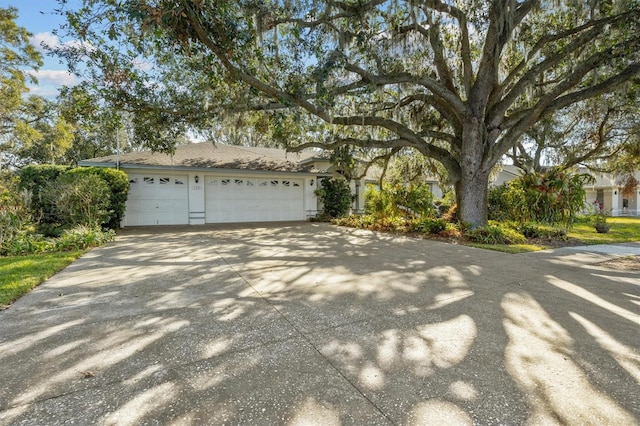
(495, 234)
(83, 237)
(535, 230)
(15, 216)
(399, 201)
(343, 161)
(430, 226)
(78, 199)
(79, 237)
(433, 226)
(37, 177)
(553, 197)
(33, 179)
(53, 136)
(335, 195)
(18, 59)
(118, 184)
(410, 167)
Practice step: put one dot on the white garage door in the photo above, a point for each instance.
(243, 199)
(156, 199)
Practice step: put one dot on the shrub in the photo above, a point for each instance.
(335, 196)
(451, 215)
(418, 198)
(15, 215)
(78, 200)
(36, 178)
(400, 201)
(499, 201)
(27, 243)
(77, 238)
(433, 226)
(495, 234)
(553, 197)
(451, 231)
(33, 178)
(379, 203)
(118, 184)
(534, 230)
(81, 237)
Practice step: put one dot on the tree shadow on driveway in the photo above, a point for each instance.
(315, 324)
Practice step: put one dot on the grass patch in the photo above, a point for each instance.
(508, 248)
(19, 274)
(623, 230)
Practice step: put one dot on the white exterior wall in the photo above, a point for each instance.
(196, 199)
(310, 198)
(612, 196)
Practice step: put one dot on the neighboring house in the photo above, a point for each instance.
(206, 183)
(506, 173)
(607, 190)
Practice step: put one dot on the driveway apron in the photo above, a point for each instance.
(307, 323)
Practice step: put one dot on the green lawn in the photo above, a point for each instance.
(623, 230)
(19, 274)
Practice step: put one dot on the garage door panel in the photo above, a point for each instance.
(157, 200)
(246, 199)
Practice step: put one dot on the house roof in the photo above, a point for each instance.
(216, 156)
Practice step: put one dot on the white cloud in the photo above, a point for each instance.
(46, 92)
(48, 40)
(44, 39)
(55, 77)
(142, 64)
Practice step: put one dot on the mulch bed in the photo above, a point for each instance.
(628, 263)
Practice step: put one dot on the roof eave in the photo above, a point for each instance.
(197, 169)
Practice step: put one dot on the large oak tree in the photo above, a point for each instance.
(458, 81)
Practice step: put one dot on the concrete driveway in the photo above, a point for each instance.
(304, 324)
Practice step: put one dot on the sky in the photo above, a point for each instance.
(38, 18)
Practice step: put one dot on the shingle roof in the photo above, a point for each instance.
(208, 155)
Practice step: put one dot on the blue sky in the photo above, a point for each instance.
(38, 18)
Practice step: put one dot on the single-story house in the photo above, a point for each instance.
(609, 192)
(215, 183)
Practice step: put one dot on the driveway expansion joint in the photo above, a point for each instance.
(307, 339)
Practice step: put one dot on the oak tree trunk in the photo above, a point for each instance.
(472, 186)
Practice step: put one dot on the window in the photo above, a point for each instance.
(213, 182)
(263, 183)
(296, 184)
(225, 181)
(285, 183)
(148, 180)
(164, 180)
(133, 180)
(274, 183)
(250, 183)
(179, 182)
(238, 181)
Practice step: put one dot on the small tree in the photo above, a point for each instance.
(335, 195)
